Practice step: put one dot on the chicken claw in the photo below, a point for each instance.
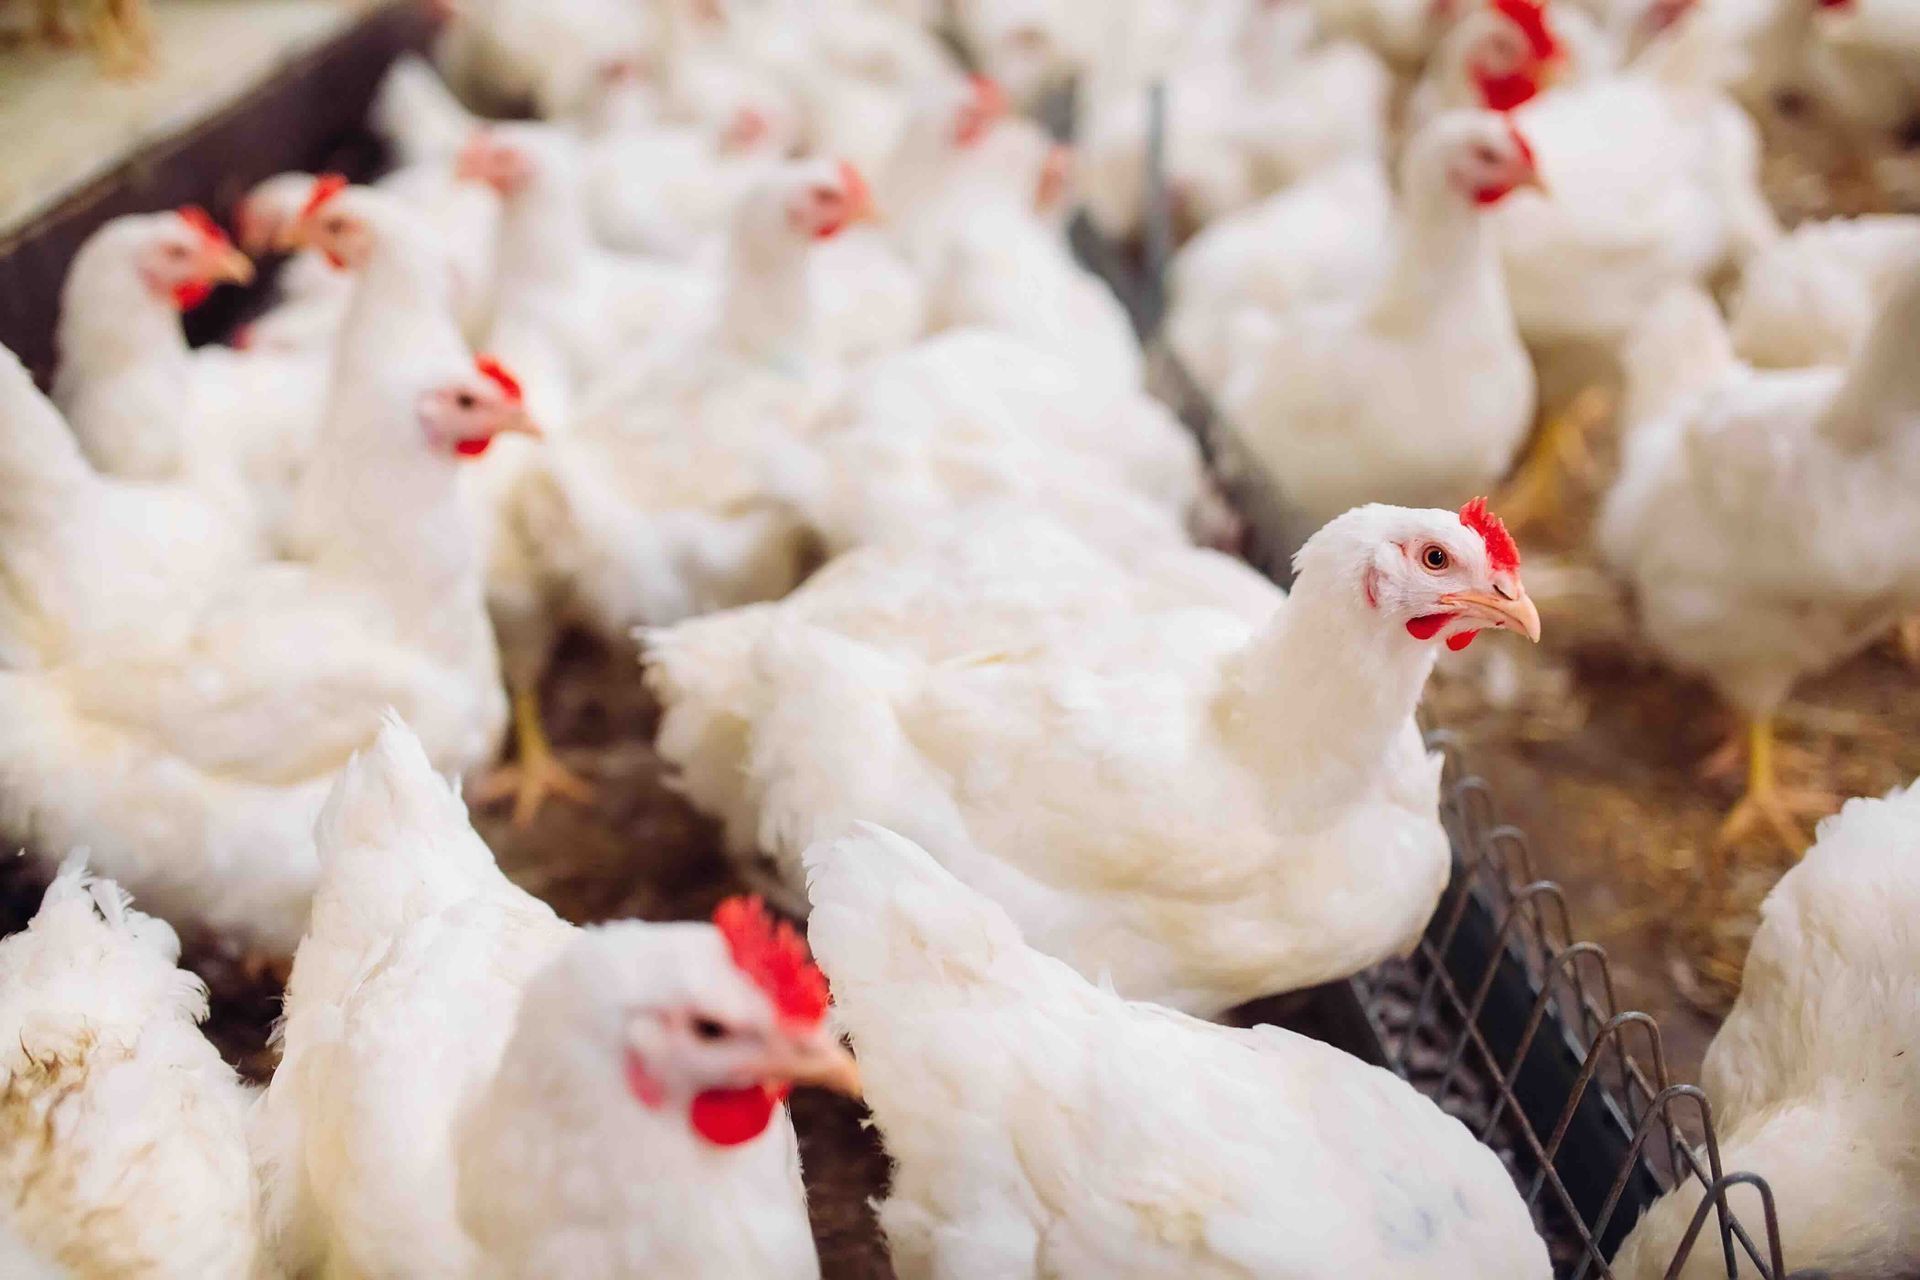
(1766, 803)
(535, 773)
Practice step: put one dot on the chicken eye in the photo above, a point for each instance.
(335, 226)
(1435, 558)
(465, 400)
(175, 252)
(708, 1029)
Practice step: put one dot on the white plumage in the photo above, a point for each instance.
(123, 1136)
(1324, 391)
(1168, 776)
(1040, 1125)
(548, 1119)
(1812, 1077)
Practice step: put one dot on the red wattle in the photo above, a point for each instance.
(1461, 640)
(729, 1117)
(472, 448)
(191, 294)
(1427, 626)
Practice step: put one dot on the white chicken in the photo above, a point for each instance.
(1244, 117)
(311, 294)
(1812, 1077)
(1811, 298)
(1763, 518)
(584, 1102)
(676, 490)
(1204, 792)
(663, 187)
(1041, 1125)
(144, 406)
(88, 562)
(1496, 55)
(1324, 394)
(567, 310)
(1650, 180)
(976, 416)
(191, 763)
(1005, 264)
(123, 1136)
(1251, 261)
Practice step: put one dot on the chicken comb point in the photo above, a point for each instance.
(325, 187)
(1503, 553)
(772, 954)
(1531, 17)
(496, 373)
(202, 222)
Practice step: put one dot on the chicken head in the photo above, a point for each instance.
(717, 1026)
(186, 255)
(1446, 576)
(466, 415)
(1488, 159)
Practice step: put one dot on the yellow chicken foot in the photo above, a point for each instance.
(1766, 803)
(1559, 451)
(534, 773)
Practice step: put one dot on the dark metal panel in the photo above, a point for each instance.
(307, 115)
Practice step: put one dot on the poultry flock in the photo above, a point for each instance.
(758, 353)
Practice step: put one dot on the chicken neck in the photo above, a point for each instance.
(1445, 265)
(1323, 690)
(765, 303)
(113, 330)
(1880, 399)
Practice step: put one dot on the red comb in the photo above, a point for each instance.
(496, 373)
(1531, 18)
(325, 188)
(1503, 554)
(201, 221)
(773, 955)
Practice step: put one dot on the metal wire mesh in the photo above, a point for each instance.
(1502, 1015)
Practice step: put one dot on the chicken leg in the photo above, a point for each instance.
(1559, 451)
(1766, 803)
(535, 773)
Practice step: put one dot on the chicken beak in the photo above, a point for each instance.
(1535, 182)
(227, 265)
(1499, 610)
(291, 236)
(520, 423)
(815, 1058)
